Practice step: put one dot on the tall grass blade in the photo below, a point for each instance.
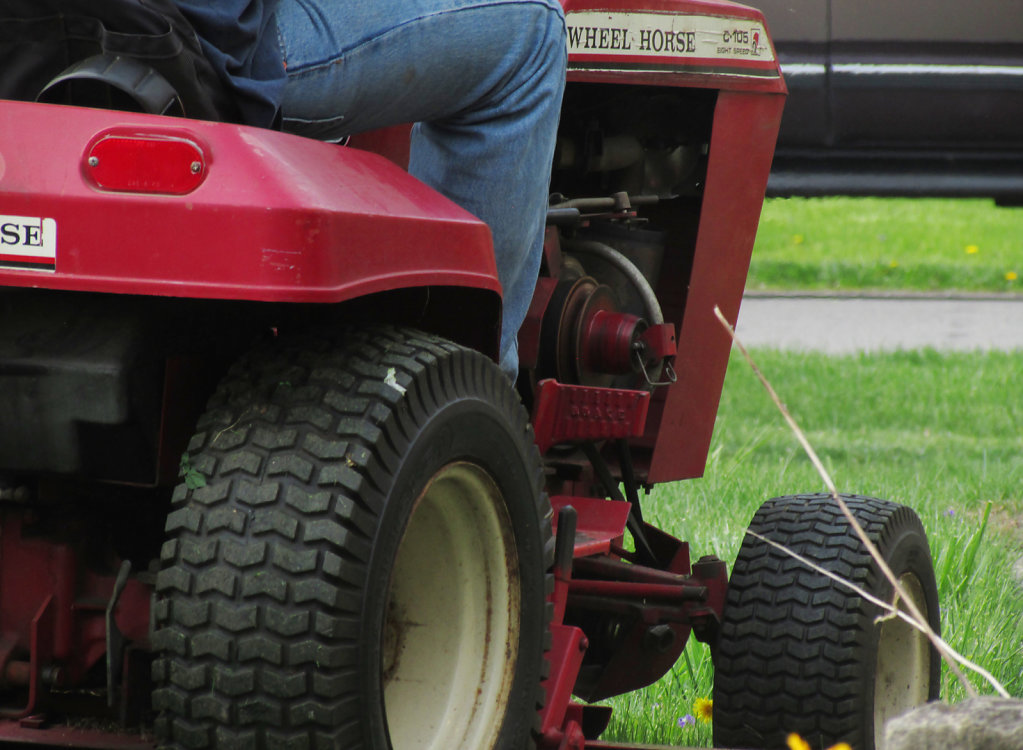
(970, 555)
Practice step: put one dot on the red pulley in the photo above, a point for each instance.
(608, 340)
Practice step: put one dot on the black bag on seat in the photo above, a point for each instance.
(140, 55)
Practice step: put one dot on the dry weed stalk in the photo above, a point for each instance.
(914, 617)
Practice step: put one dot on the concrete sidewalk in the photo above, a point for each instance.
(843, 324)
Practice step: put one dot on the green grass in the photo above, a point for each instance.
(938, 432)
(888, 244)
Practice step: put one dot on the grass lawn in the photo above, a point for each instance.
(942, 433)
(887, 244)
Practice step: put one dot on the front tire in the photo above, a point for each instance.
(799, 652)
(366, 565)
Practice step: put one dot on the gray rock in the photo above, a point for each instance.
(976, 724)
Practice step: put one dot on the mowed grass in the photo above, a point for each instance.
(923, 245)
(942, 433)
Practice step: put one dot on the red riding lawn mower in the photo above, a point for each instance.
(263, 486)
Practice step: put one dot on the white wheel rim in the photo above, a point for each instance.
(452, 629)
(903, 677)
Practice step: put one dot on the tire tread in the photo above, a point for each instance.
(789, 656)
(296, 447)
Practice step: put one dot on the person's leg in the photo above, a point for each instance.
(483, 78)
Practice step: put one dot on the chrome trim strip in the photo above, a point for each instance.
(876, 69)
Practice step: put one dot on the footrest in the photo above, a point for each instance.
(576, 413)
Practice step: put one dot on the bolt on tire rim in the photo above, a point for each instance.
(903, 663)
(451, 632)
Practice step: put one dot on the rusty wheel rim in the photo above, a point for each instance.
(451, 631)
(902, 679)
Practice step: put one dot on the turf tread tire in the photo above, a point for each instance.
(265, 571)
(797, 650)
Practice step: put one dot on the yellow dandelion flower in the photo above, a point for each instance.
(894, 264)
(972, 249)
(704, 709)
(797, 239)
(795, 742)
(1011, 275)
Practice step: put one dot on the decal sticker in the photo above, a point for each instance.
(661, 41)
(28, 243)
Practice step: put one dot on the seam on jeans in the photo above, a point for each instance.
(551, 5)
(280, 45)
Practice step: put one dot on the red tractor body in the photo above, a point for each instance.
(141, 255)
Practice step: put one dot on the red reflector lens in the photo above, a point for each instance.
(145, 164)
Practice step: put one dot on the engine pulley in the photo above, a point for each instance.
(586, 338)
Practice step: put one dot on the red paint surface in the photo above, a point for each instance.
(741, 149)
(276, 218)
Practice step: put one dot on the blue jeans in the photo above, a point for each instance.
(482, 79)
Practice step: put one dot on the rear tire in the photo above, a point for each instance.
(799, 652)
(367, 563)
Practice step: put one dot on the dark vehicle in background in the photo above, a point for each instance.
(900, 97)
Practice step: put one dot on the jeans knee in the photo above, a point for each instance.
(545, 59)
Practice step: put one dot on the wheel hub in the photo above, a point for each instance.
(451, 636)
(903, 663)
